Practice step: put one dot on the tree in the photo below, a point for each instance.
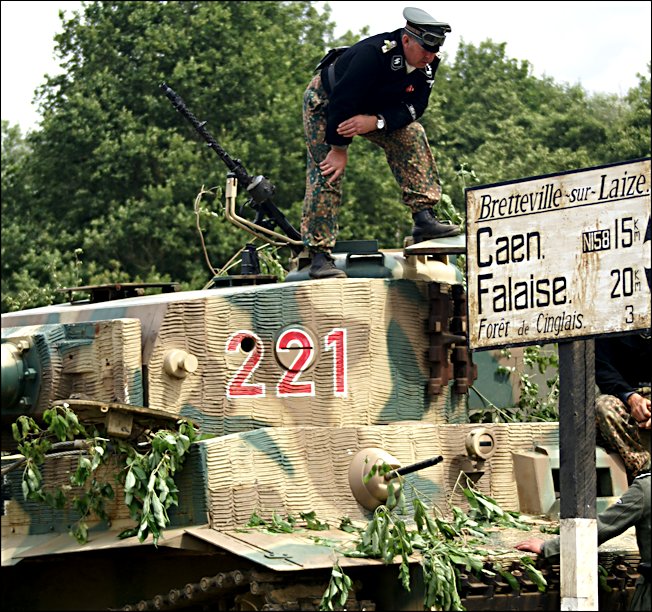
(32, 265)
(494, 119)
(104, 191)
(118, 168)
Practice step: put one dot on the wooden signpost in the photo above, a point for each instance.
(562, 259)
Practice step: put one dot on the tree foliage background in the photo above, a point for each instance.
(103, 191)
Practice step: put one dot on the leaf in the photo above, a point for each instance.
(536, 576)
(97, 460)
(128, 533)
(491, 506)
(130, 481)
(139, 472)
(347, 526)
(511, 580)
(158, 511)
(312, 522)
(473, 501)
(255, 520)
(391, 495)
(404, 576)
(370, 474)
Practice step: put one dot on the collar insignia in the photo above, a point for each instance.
(388, 46)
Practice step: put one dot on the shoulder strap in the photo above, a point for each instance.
(330, 57)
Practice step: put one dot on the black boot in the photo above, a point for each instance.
(427, 227)
(323, 266)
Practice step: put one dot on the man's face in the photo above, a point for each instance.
(415, 54)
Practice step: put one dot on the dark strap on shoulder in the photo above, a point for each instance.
(330, 57)
(330, 74)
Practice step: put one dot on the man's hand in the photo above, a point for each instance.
(639, 408)
(334, 163)
(534, 545)
(356, 125)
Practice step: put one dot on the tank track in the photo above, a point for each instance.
(251, 589)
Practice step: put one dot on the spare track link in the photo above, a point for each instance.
(447, 326)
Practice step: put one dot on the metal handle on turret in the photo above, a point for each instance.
(415, 467)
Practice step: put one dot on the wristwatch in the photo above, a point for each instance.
(380, 122)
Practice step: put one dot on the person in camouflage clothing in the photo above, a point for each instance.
(377, 89)
(632, 509)
(622, 374)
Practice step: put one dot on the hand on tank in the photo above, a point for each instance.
(534, 545)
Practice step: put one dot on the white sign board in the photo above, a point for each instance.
(559, 257)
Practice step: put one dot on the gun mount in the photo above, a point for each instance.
(259, 188)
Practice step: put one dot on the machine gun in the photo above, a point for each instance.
(260, 189)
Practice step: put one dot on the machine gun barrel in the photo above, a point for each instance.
(408, 469)
(259, 188)
(234, 165)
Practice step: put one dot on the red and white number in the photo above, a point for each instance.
(239, 385)
(336, 341)
(291, 340)
(289, 383)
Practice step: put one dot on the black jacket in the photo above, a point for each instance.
(371, 79)
(622, 363)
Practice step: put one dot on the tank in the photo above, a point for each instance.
(318, 401)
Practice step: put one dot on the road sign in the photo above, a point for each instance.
(559, 256)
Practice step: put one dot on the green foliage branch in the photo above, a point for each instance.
(446, 548)
(145, 469)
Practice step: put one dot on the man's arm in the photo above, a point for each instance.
(613, 521)
(608, 364)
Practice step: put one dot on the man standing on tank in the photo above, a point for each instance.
(377, 89)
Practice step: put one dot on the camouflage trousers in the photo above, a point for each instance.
(408, 154)
(619, 431)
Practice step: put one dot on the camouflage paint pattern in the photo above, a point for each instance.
(100, 360)
(292, 380)
(358, 346)
(290, 470)
(408, 154)
(620, 431)
(293, 470)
